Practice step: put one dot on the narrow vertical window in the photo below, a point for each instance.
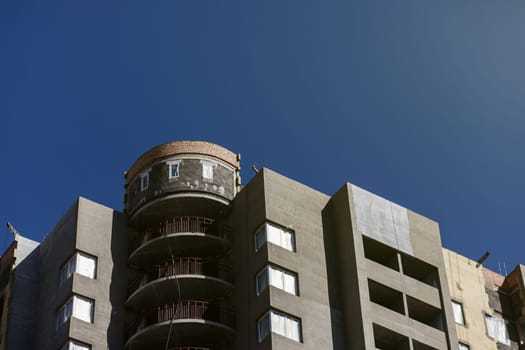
(64, 313)
(279, 323)
(263, 327)
(173, 169)
(274, 234)
(207, 170)
(144, 181)
(459, 317)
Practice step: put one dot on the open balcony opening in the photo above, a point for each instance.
(425, 313)
(420, 346)
(380, 253)
(386, 339)
(420, 270)
(386, 296)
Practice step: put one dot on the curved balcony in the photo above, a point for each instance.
(189, 321)
(184, 235)
(197, 277)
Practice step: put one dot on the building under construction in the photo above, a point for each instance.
(198, 262)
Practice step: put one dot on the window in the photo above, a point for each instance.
(173, 169)
(144, 181)
(78, 307)
(278, 278)
(207, 170)
(279, 323)
(80, 263)
(463, 346)
(458, 312)
(279, 236)
(497, 329)
(75, 345)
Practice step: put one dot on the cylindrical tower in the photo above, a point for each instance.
(180, 281)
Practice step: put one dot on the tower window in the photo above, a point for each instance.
(78, 307)
(279, 278)
(463, 346)
(173, 169)
(276, 235)
(81, 263)
(144, 181)
(279, 323)
(207, 171)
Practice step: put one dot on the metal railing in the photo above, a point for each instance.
(182, 224)
(183, 266)
(186, 309)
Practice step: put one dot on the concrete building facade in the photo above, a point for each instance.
(197, 262)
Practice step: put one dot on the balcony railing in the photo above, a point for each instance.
(183, 266)
(193, 224)
(187, 309)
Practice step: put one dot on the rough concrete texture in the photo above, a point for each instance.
(343, 213)
(21, 317)
(101, 232)
(467, 286)
(190, 179)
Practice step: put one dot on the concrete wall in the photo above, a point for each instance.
(353, 214)
(467, 286)
(101, 232)
(274, 198)
(21, 318)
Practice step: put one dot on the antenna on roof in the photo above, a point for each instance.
(482, 259)
(254, 168)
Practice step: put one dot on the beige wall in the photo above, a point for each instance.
(467, 286)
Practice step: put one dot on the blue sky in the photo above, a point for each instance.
(420, 102)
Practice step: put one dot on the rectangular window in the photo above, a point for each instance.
(75, 345)
(173, 169)
(144, 181)
(83, 264)
(279, 323)
(463, 346)
(458, 312)
(284, 280)
(207, 170)
(78, 307)
(497, 329)
(274, 234)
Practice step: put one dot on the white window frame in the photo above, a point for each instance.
(144, 177)
(497, 329)
(459, 314)
(171, 164)
(279, 323)
(73, 308)
(277, 235)
(207, 170)
(277, 277)
(75, 345)
(75, 264)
